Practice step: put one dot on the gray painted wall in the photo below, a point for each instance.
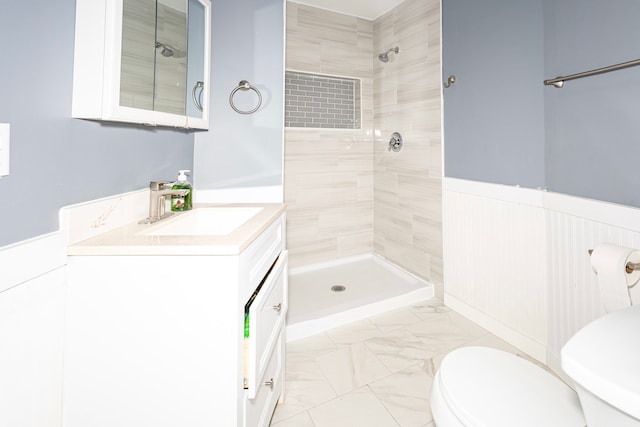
(244, 150)
(56, 160)
(502, 125)
(493, 114)
(593, 124)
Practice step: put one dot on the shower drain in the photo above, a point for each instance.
(338, 288)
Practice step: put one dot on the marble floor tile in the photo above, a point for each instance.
(424, 309)
(359, 408)
(395, 319)
(314, 346)
(442, 332)
(300, 420)
(353, 332)
(305, 386)
(399, 349)
(375, 372)
(405, 394)
(302, 395)
(303, 367)
(351, 367)
(472, 328)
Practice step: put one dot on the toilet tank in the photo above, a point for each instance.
(603, 359)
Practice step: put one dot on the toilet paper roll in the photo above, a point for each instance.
(609, 262)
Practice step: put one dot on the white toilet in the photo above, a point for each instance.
(478, 386)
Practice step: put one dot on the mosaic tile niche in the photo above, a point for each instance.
(319, 101)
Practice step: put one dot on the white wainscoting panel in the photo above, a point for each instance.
(32, 309)
(494, 266)
(31, 337)
(25, 260)
(574, 295)
(517, 262)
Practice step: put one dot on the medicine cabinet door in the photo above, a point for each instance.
(155, 61)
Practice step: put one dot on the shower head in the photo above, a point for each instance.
(167, 51)
(384, 57)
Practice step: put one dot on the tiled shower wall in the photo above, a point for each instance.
(334, 207)
(408, 184)
(328, 172)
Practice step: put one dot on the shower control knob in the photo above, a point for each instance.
(277, 307)
(269, 383)
(395, 143)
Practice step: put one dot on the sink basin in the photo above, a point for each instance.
(211, 221)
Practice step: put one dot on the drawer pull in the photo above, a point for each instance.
(269, 383)
(278, 307)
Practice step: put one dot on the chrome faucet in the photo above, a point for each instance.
(158, 190)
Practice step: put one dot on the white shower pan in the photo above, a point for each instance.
(372, 286)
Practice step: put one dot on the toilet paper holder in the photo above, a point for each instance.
(630, 267)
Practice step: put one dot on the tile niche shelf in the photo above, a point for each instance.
(319, 101)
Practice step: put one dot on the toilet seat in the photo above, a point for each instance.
(484, 387)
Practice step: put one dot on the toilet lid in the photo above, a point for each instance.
(485, 387)
(604, 358)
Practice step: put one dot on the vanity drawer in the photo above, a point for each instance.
(267, 315)
(258, 410)
(260, 255)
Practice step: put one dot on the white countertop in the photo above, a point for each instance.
(131, 240)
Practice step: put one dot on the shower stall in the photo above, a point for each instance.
(363, 218)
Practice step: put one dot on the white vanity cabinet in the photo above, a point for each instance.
(158, 340)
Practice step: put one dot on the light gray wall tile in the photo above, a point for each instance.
(387, 202)
(408, 223)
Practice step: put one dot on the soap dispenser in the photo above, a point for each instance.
(182, 203)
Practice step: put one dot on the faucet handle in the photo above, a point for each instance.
(158, 185)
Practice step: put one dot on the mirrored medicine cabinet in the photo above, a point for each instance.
(143, 61)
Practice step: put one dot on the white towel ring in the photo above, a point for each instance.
(245, 85)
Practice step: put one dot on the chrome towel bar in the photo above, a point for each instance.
(629, 267)
(558, 82)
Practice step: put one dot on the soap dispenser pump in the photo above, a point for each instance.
(182, 203)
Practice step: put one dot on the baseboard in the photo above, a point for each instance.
(533, 348)
(555, 364)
